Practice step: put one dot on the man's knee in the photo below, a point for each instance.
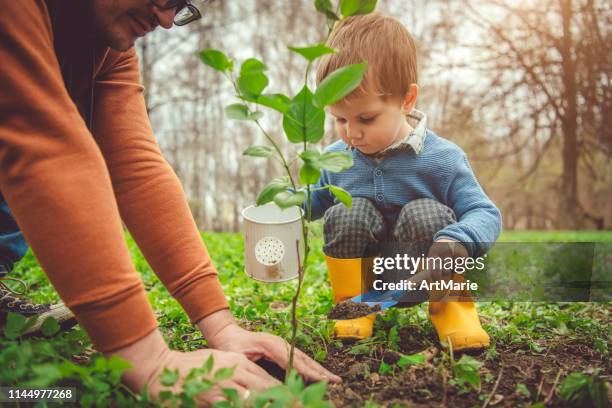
(421, 219)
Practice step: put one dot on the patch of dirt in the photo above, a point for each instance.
(272, 368)
(348, 309)
(428, 385)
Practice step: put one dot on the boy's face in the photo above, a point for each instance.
(372, 123)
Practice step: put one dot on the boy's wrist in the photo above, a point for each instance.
(445, 239)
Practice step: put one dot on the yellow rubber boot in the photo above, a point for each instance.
(345, 277)
(458, 322)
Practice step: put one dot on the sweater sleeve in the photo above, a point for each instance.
(478, 219)
(321, 199)
(56, 183)
(151, 200)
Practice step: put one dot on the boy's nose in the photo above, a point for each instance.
(353, 132)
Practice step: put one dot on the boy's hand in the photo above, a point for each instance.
(231, 337)
(443, 249)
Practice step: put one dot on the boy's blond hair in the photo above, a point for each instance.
(384, 43)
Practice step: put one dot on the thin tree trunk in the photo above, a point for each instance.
(569, 212)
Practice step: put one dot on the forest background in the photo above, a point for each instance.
(523, 87)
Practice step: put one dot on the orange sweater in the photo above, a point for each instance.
(69, 187)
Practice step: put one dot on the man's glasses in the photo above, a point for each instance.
(186, 12)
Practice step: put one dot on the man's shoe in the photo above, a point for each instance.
(10, 301)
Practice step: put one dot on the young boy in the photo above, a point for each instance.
(408, 184)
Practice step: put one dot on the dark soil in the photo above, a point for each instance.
(427, 385)
(351, 310)
(272, 368)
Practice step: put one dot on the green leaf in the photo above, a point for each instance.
(14, 325)
(355, 7)
(412, 359)
(278, 396)
(303, 121)
(286, 199)
(195, 387)
(522, 389)
(165, 395)
(252, 80)
(117, 366)
(309, 174)
(310, 156)
(584, 390)
(339, 84)
(278, 102)
(252, 66)
(314, 393)
(224, 373)
(217, 60)
(239, 111)
(169, 378)
(30, 322)
(598, 389)
(384, 368)
(259, 151)
(295, 383)
(466, 369)
(342, 195)
(45, 375)
(325, 7)
(209, 364)
(49, 327)
(336, 161)
(313, 52)
(274, 187)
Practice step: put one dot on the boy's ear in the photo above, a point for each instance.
(410, 98)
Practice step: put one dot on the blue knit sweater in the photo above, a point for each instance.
(440, 171)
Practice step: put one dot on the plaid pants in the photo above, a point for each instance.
(360, 232)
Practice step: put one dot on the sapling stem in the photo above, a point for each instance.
(309, 132)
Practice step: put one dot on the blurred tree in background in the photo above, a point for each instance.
(523, 87)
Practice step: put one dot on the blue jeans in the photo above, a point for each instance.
(13, 245)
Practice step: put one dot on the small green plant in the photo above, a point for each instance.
(198, 381)
(466, 374)
(40, 363)
(402, 362)
(523, 390)
(292, 394)
(587, 390)
(303, 120)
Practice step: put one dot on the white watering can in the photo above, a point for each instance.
(271, 240)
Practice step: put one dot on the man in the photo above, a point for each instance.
(77, 156)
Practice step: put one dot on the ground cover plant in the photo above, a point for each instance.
(303, 119)
(542, 354)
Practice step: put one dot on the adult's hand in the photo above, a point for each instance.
(150, 355)
(228, 336)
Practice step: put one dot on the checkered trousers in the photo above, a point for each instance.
(359, 232)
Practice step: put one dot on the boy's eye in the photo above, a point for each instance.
(368, 120)
(340, 120)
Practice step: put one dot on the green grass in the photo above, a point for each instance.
(556, 236)
(265, 307)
